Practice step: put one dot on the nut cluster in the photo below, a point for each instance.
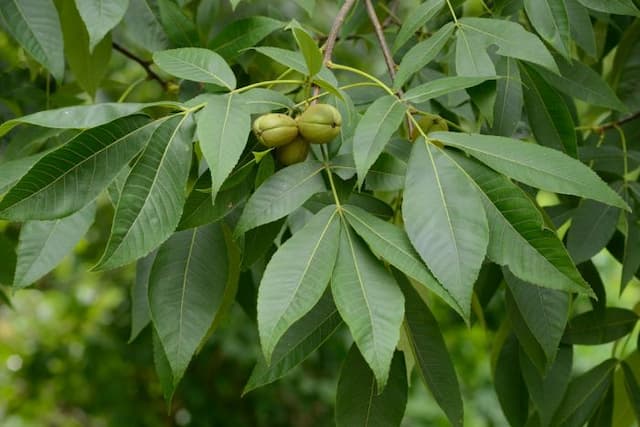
(318, 124)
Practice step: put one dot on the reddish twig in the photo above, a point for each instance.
(620, 122)
(151, 75)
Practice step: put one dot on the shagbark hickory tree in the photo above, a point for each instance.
(485, 152)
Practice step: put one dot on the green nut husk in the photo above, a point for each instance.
(275, 130)
(430, 123)
(294, 152)
(320, 123)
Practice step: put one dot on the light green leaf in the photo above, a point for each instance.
(584, 394)
(519, 238)
(153, 195)
(36, 26)
(87, 64)
(295, 61)
(544, 311)
(431, 355)
(223, 129)
(308, 5)
(197, 64)
(547, 391)
(416, 19)
(81, 116)
(100, 16)
(358, 403)
(296, 277)
(445, 220)
(243, 34)
(507, 110)
(391, 243)
(142, 25)
(300, 341)
(592, 226)
(598, 327)
(511, 38)
(534, 165)
(281, 194)
(548, 114)
(442, 86)
(621, 7)
(71, 176)
(139, 294)
(187, 284)
(422, 54)
(369, 301)
(262, 101)
(179, 28)
(578, 80)
(43, 244)
(374, 130)
(551, 21)
(309, 49)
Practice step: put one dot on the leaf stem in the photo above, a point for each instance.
(453, 13)
(325, 155)
(377, 81)
(266, 83)
(151, 75)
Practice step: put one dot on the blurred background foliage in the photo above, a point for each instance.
(65, 359)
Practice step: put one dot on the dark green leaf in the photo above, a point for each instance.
(100, 17)
(622, 7)
(580, 27)
(550, 19)
(584, 394)
(180, 30)
(631, 260)
(592, 226)
(139, 292)
(261, 101)
(534, 165)
(370, 303)
(453, 237)
(632, 387)
(508, 106)
(281, 194)
(88, 63)
(295, 61)
(142, 21)
(510, 386)
(296, 277)
(548, 114)
(187, 283)
(430, 353)
(547, 391)
(545, 312)
(300, 341)
(374, 130)
(223, 129)
(358, 403)
(243, 34)
(43, 244)
(153, 195)
(391, 243)
(386, 174)
(163, 369)
(310, 52)
(599, 327)
(197, 64)
(68, 178)
(422, 54)
(442, 86)
(36, 26)
(416, 19)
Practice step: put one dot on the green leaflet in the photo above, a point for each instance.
(534, 165)
(296, 277)
(452, 238)
(187, 285)
(370, 303)
(69, 177)
(197, 64)
(153, 195)
(358, 403)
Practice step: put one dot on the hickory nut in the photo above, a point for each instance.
(320, 123)
(275, 130)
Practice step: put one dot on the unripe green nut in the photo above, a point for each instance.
(275, 130)
(320, 123)
(294, 152)
(430, 123)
